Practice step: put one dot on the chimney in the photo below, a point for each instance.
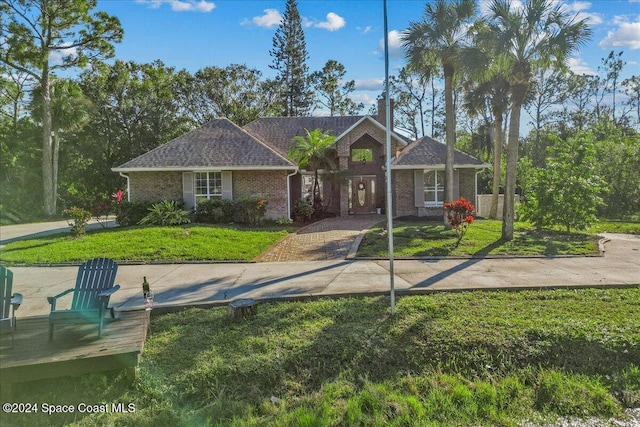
(382, 111)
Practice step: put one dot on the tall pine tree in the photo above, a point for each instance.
(289, 60)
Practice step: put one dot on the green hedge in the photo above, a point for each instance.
(131, 213)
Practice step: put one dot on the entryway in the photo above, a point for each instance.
(362, 194)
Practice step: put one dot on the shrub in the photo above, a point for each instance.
(131, 213)
(283, 220)
(165, 213)
(79, 220)
(253, 209)
(302, 211)
(459, 215)
(215, 211)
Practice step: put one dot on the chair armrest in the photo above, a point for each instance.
(16, 300)
(108, 292)
(52, 300)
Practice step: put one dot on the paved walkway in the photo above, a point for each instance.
(329, 239)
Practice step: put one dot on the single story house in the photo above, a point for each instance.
(223, 160)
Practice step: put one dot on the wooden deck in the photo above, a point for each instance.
(74, 350)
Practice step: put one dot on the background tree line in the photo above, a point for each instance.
(60, 136)
(461, 91)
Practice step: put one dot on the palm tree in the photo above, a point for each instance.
(314, 152)
(491, 94)
(535, 35)
(442, 33)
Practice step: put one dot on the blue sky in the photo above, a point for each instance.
(193, 34)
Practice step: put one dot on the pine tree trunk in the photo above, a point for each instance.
(47, 147)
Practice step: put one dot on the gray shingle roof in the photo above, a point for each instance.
(218, 143)
(279, 131)
(429, 152)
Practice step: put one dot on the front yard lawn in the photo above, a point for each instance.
(447, 359)
(147, 244)
(420, 238)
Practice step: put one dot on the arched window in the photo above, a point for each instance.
(433, 188)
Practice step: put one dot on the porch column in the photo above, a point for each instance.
(343, 164)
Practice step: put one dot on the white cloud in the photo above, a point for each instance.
(270, 18)
(364, 30)
(580, 8)
(579, 66)
(56, 57)
(626, 35)
(370, 84)
(333, 23)
(182, 5)
(395, 45)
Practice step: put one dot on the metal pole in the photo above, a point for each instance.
(388, 164)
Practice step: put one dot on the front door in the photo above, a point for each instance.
(363, 194)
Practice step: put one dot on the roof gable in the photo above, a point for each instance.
(427, 152)
(216, 144)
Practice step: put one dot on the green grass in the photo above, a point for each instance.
(146, 244)
(610, 226)
(418, 238)
(449, 359)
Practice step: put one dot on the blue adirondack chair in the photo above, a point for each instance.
(9, 303)
(94, 286)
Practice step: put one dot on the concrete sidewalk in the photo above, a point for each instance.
(177, 285)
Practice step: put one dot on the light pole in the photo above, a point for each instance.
(388, 156)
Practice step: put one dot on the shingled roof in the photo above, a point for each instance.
(426, 152)
(279, 131)
(217, 144)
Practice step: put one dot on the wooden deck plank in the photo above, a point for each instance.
(74, 350)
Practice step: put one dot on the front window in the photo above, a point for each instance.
(208, 185)
(433, 188)
(362, 155)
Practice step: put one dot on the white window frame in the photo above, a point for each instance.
(433, 189)
(210, 193)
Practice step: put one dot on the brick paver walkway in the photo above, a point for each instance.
(329, 239)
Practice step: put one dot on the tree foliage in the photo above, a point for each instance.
(567, 192)
(536, 35)
(332, 92)
(442, 33)
(34, 33)
(313, 152)
(289, 61)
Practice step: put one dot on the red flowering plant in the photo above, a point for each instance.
(118, 196)
(459, 215)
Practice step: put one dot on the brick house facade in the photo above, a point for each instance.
(220, 159)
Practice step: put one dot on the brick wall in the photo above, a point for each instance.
(467, 182)
(155, 186)
(403, 193)
(270, 185)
